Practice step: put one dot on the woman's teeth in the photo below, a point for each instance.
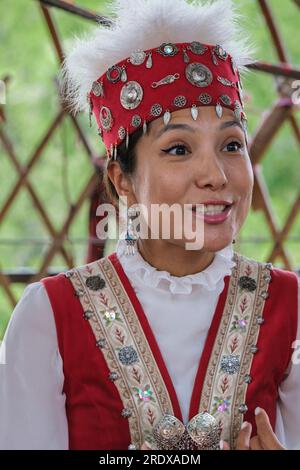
(213, 209)
(210, 209)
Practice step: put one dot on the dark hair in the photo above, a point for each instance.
(127, 161)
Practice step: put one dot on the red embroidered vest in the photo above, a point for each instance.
(116, 383)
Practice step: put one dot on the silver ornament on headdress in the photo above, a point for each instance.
(213, 57)
(186, 58)
(145, 127)
(197, 48)
(221, 53)
(149, 61)
(106, 118)
(136, 120)
(205, 98)
(194, 112)
(97, 88)
(167, 117)
(167, 49)
(198, 74)
(225, 99)
(156, 110)
(180, 101)
(121, 133)
(219, 110)
(131, 95)
(226, 82)
(166, 80)
(234, 66)
(114, 73)
(237, 109)
(137, 57)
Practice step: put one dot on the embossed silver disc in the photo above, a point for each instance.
(198, 74)
(131, 95)
(106, 118)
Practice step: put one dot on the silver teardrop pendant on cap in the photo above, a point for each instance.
(219, 110)
(167, 117)
(194, 112)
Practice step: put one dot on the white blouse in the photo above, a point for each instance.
(32, 404)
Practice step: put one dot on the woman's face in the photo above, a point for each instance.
(196, 162)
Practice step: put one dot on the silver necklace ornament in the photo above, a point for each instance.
(97, 88)
(137, 57)
(197, 48)
(167, 49)
(225, 82)
(114, 74)
(167, 117)
(221, 53)
(202, 432)
(198, 74)
(166, 80)
(106, 118)
(131, 95)
(205, 98)
(219, 110)
(194, 112)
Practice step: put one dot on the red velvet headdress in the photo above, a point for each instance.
(154, 83)
(158, 57)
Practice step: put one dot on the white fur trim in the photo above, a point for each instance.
(144, 24)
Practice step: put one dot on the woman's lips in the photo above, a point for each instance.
(214, 213)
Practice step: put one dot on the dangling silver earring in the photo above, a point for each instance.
(131, 234)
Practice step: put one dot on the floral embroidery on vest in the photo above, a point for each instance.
(120, 337)
(228, 372)
(133, 368)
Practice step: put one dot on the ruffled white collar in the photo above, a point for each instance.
(135, 265)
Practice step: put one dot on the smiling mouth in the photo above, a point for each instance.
(211, 209)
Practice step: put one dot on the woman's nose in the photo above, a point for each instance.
(209, 172)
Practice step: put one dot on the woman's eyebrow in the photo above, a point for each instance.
(235, 122)
(170, 127)
(186, 127)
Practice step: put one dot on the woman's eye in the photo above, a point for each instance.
(181, 148)
(235, 146)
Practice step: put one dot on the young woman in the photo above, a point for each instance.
(158, 345)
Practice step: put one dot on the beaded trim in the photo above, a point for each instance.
(120, 336)
(228, 372)
(133, 368)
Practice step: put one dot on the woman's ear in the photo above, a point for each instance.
(120, 180)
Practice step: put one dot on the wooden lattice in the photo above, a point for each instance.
(281, 111)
